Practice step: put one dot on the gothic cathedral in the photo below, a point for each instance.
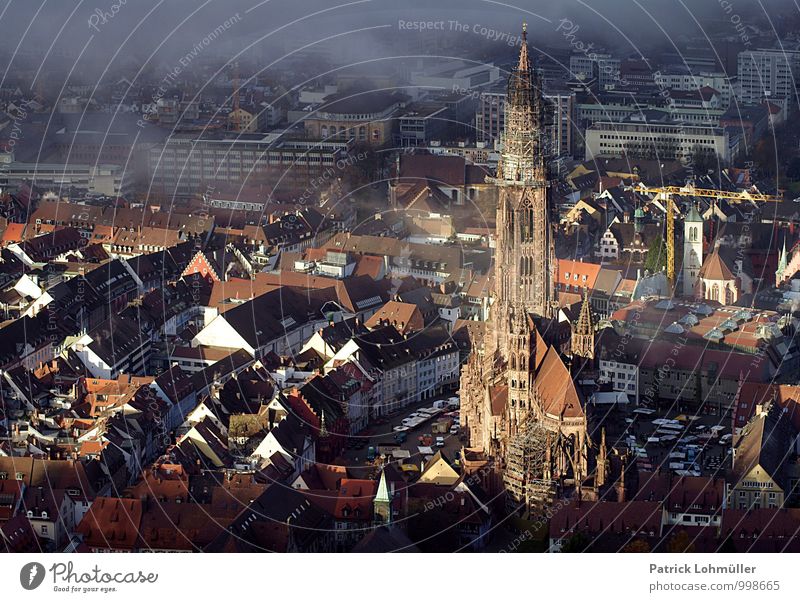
(514, 379)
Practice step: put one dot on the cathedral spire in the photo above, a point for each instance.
(523, 161)
(522, 85)
(523, 65)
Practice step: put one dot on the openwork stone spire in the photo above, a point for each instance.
(583, 333)
(523, 158)
(585, 323)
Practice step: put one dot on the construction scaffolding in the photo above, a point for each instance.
(526, 487)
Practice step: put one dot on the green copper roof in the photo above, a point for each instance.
(693, 215)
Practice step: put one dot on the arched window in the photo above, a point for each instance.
(715, 292)
(729, 296)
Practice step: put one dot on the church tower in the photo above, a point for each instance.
(582, 342)
(783, 262)
(525, 253)
(692, 250)
(382, 504)
(515, 388)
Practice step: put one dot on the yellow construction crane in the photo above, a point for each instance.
(667, 192)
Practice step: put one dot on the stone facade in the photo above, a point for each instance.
(514, 380)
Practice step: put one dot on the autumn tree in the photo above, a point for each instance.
(637, 546)
(680, 543)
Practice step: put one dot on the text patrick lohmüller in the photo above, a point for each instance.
(699, 569)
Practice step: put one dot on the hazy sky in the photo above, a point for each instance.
(138, 33)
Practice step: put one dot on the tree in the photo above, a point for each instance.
(577, 543)
(703, 159)
(680, 543)
(361, 166)
(656, 255)
(765, 155)
(637, 546)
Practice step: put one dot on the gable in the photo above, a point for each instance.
(439, 472)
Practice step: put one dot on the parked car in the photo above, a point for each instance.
(454, 429)
(401, 437)
(371, 453)
(439, 441)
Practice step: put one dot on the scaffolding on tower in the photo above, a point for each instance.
(524, 476)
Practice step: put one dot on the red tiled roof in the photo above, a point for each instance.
(579, 268)
(607, 518)
(715, 268)
(112, 523)
(762, 529)
(684, 493)
(752, 394)
(403, 316)
(556, 389)
(14, 233)
(370, 265)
